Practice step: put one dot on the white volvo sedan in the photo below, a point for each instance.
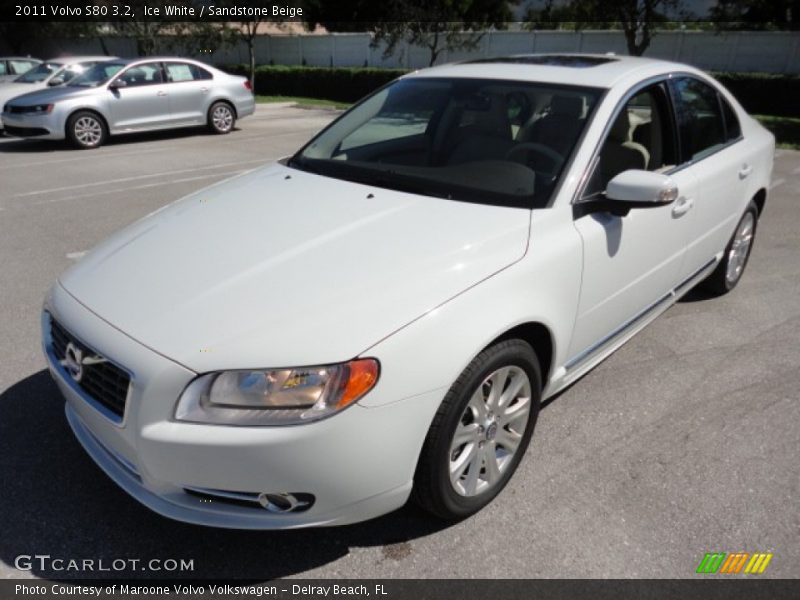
(379, 316)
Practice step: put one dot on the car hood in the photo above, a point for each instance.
(12, 90)
(280, 267)
(50, 94)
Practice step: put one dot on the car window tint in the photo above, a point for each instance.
(200, 73)
(148, 74)
(702, 126)
(71, 73)
(641, 137)
(3, 69)
(733, 130)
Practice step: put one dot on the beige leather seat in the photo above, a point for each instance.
(620, 152)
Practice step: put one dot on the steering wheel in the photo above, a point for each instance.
(554, 157)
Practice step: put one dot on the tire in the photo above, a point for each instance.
(221, 118)
(488, 437)
(86, 130)
(730, 269)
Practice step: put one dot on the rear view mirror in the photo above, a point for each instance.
(117, 83)
(55, 81)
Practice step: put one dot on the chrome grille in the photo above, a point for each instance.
(103, 382)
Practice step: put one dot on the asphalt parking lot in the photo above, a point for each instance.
(684, 442)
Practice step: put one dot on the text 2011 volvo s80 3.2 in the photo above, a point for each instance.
(379, 316)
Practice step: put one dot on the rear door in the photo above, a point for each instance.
(713, 151)
(143, 103)
(189, 88)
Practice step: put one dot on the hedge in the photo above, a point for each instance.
(764, 93)
(759, 93)
(342, 84)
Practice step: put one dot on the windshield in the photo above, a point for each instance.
(97, 75)
(478, 140)
(40, 73)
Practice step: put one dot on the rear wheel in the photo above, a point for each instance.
(221, 118)
(86, 130)
(480, 432)
(737, 253)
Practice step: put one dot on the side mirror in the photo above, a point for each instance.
(642, 189)
(634, 189)
(117, 84)
(55, 81)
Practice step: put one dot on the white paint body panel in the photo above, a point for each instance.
(280, 268)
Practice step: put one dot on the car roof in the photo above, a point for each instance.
(590, 70)
(141, 59)
(20, 58)
(68, 60)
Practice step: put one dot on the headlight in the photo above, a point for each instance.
(39, 109)
(276, 397)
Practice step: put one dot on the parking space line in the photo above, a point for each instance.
(141, 187)
(160, 148)
(136, 177)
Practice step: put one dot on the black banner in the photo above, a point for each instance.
(408, 589)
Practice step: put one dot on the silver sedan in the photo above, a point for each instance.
(127, 96)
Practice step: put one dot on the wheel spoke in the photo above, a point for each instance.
(471, 482)
(498, 381)
(478, 404)
(508, 439)
(458, 466)
(517, 383)
(492, 474)
(517, 411)
(464, 434)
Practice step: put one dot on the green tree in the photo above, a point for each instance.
(436, 25)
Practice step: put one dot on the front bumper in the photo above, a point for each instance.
(357, 465)
(32, 125)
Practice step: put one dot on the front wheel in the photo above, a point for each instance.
(221, 118)
(737, 253)
(480, 431)
(86, 130)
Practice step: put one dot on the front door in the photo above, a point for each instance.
(143, 102)
(631, 263)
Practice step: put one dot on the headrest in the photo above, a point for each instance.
(567, 106)
(621, 129)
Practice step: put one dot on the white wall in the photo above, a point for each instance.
(776, 52)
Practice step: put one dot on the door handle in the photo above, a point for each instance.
(161, 93)
(682, 206)
(204, 90)
(745, 171)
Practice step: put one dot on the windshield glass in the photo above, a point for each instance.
(478, 140)
(97, 75)
(40, 73)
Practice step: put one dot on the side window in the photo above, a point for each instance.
(3, 70)
(147, 74)
(702, 126)
(200, 73)
(18, 67)
(641, 137)
(733, 130)
(177, 72)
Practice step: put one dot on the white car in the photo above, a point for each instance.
(48, 74)
(380, 315)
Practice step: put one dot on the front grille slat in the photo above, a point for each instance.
(105, 382)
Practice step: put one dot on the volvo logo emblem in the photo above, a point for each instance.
(73, 361)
